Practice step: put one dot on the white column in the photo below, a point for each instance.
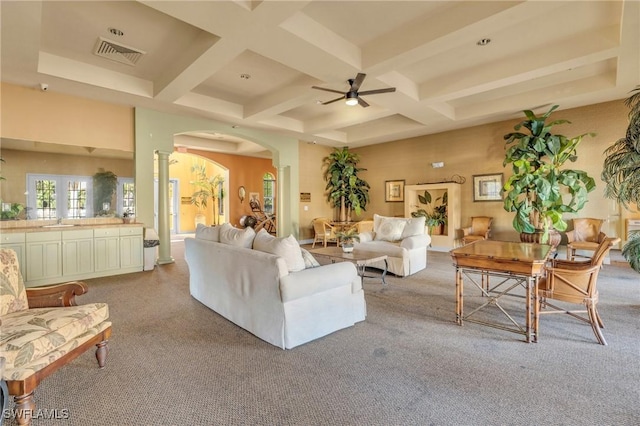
(164, 228)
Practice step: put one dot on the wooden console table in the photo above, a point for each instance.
(515, 265)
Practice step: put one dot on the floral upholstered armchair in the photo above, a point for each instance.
(42, 330)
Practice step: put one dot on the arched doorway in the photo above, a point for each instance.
(197, 174)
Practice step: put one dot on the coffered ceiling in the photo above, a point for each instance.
(253, 63)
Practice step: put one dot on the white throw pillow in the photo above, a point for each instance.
(309, 260)
(285, 247)
(390, 229)
(414, 226)
(209, 233)
(237, 237)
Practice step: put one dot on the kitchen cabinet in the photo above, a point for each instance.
(16, 242)
(54, 256)
(107, 249)
(131, 248)
(77, 253)
(43, 258)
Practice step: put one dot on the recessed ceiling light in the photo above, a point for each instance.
(245, 76)
(483, 41)
(116, 32)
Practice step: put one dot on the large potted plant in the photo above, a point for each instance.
(540, 191)
(345, 189)
(621, 173)
(105, 185)
(208, 187)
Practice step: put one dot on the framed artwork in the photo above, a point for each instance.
(487, 187)
(394, 191)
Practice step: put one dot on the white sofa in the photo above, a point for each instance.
(403, 240)
(277, 297)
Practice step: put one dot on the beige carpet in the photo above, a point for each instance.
(172, 361)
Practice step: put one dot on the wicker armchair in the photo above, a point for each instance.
(570, 282)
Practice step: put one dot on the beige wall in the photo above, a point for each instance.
(311, 182)
(480, 150)
(33, 115)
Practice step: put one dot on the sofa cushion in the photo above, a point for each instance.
(237, 237)
(209, 233)
(285, 247)
(13, 296)
(33, 333)
(27, 370)
(388, 228)
(414, 226)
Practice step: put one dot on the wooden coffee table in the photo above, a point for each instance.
(360, 258)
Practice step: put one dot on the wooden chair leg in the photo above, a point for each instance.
(25, 407)
(5, 395)
(593, 316)
(600, 323)
(101, 353)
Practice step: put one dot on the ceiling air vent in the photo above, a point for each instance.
(117, 52)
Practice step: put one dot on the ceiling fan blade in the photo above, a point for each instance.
(357, 82)
(327, 90)
(333, 100)
(373, 92)
(362, 103)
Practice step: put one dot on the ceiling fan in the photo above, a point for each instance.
(352, 96)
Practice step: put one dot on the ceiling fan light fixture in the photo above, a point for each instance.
(351, 99)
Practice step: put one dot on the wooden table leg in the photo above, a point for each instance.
(459, 296)
(536, 309)
(528, 327)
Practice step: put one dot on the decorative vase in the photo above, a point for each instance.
(347, 248)
(554, 238)
(200, 218)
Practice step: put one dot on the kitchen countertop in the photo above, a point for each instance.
(42, 228)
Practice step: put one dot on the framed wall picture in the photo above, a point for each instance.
(394, 191)
(487, 187)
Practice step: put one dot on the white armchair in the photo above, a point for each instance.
(402, 239)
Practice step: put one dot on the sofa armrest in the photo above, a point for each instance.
(416, 241)
(310, 281)
(55, 296)
(365, 237)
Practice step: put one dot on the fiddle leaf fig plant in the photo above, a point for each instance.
(540, 191)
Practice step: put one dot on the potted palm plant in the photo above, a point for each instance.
(346, 238)
(535, 189)
(345, 189)
(621, 173)
(208, 187)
